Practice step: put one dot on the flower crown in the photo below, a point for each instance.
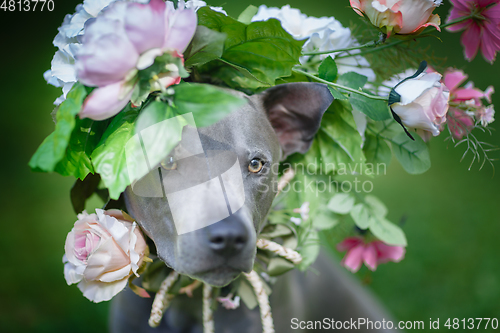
(124, 63)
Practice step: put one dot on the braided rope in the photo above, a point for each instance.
(208, 314)
(162, 299)
(280, 250)
(263, 300)
(285, 179)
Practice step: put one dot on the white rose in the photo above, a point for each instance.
(424, 102)
(101, 252)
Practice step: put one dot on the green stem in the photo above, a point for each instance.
(339, 86)
(465, 18)
(385, 46)
(377, 48)
(369, 44)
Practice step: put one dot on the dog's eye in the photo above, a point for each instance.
(255, 165)
(169, 163)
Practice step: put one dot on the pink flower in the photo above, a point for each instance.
(423, 102)
(229, 303)
(468, 97)
(459, 123)
(101, 252)
(124, 39)
(399, 16)
(481, 31)
(372, 254)
(453, 78)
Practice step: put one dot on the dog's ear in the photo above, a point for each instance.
(295, 111)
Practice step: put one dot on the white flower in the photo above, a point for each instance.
(387, 85)
(296, 220)
(62, 72)
(197, 4)
(424, 102)
(486, 115)
(101, 252)
(303, 211)
(322, 34)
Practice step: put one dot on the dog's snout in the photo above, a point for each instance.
(227, 237)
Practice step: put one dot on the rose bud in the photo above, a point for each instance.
(420, 101)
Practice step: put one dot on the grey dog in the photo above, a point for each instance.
(270, 126)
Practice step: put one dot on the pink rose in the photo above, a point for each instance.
(423, 103)
(101, 252)
(124, 39)
(372, 254)
(399, 16)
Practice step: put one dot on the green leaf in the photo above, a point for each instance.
(247, 295)
(278, 266)
(375, 109)
(341, 203)
(110, 155)
(82, 190)
(378, 208)
(52, 149)
(337, 94)
(158, 130)
(339, 141)
(362, 216)
(388, 232)
(309, 250)
(366, 214)
(264, 49)
(325, 219)
(247, 15)
(412, 155)
(219, 22)
(328, 70)
(84, 138)
(352, 80)
(206, 46)
(268, 51)
(376, 150)
(208, 103)
(275, 230)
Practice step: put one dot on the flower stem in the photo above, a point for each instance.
(369, 44)
(385, 46)
(339, 86)
(374, 44)
(465, 18)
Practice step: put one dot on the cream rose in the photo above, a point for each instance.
(399, 16)
(101, 252)
(422, 103)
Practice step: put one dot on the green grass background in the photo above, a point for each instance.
(451, 269)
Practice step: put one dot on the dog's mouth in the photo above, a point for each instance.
(218, 276)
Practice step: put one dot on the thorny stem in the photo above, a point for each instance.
(339, 86)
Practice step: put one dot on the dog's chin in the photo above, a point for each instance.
(218, 277)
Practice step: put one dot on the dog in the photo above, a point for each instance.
(278, 122)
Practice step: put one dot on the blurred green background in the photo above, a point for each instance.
(452, 266)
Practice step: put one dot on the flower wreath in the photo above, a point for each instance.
(123, 62)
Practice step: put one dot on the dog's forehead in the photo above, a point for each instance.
(245, 131)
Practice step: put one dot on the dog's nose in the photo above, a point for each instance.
(227, 237)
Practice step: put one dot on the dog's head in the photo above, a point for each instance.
(219, 182)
